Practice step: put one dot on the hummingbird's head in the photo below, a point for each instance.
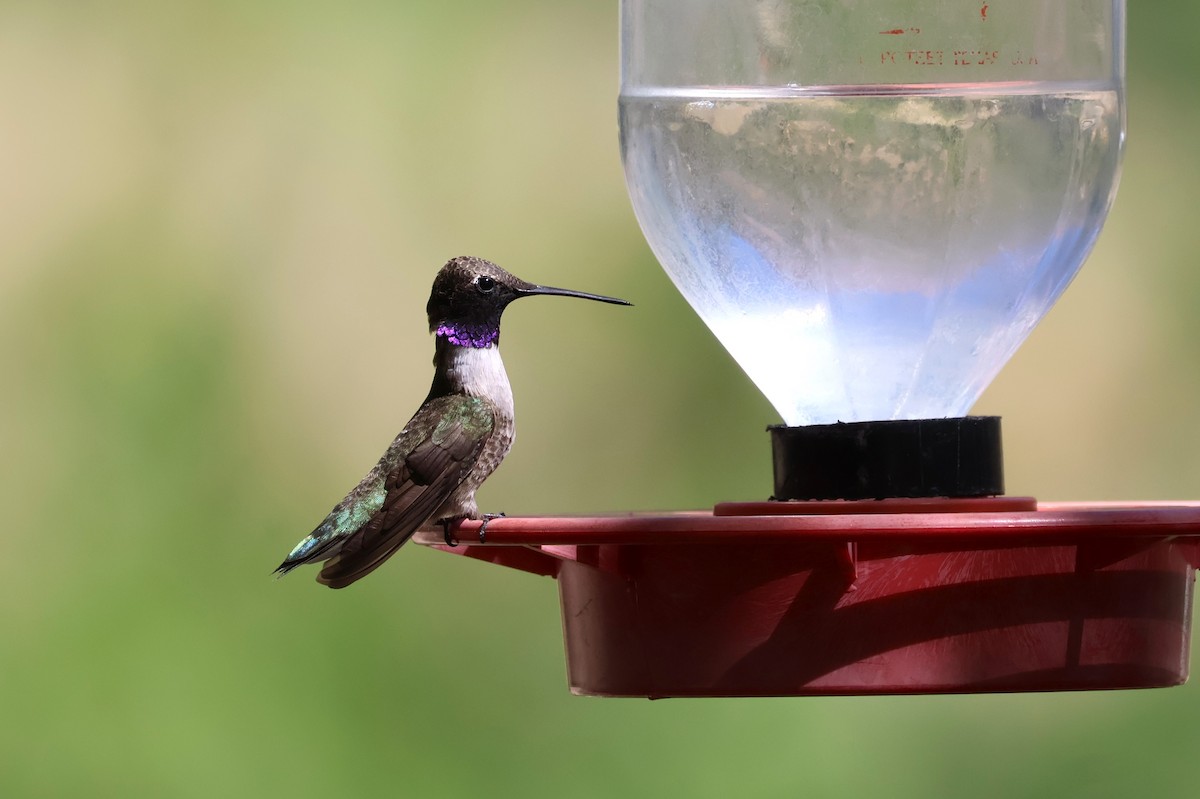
(469, 295)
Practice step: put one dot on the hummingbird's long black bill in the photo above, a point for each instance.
(532, 291)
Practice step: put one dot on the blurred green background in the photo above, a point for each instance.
(218, 225)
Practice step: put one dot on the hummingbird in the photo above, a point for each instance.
(456, 439)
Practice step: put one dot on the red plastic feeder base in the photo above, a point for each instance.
(872, 597)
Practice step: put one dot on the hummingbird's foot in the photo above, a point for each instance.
(446, 525)
(487, 517)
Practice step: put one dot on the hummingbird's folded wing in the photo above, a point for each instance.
(417, 487)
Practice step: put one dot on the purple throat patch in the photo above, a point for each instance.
(478, 338)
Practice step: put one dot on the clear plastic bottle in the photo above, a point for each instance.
(872, 204)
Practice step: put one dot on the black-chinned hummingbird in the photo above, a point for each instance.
(458, 436)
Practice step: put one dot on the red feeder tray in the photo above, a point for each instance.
(865, 597)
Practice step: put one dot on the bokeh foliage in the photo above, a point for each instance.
(218, 223)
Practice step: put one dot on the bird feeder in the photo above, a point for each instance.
(871, 205)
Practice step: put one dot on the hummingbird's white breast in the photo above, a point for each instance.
(479, 371)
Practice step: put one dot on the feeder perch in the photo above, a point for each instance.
(903, 595)
(902, 599)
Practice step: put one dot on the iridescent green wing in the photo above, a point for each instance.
(419, 484)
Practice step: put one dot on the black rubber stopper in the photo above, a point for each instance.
(958, 457)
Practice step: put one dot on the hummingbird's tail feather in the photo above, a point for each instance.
(348, 516)
(313, 549)
(344, 569)
(407, 506)
(323, 545)
(367, 550)
(416, 489)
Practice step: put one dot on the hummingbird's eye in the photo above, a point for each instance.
(485, 284)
